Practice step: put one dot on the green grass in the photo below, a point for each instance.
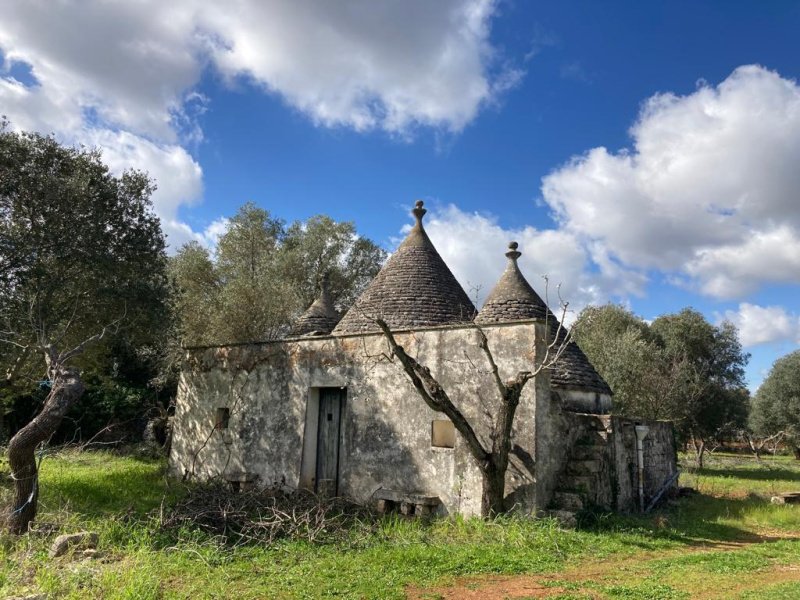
(779, 591)
(99, 483)
(728, 540)
(740, 475)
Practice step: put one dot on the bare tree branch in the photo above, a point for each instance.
(483, 342)
(112, 327)
(433, 394)
(13, 343)
(12, 371)
(66, 327)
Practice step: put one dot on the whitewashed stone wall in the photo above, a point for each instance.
(271, 390)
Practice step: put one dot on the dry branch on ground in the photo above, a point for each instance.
(268, 515)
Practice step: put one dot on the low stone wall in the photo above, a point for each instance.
(660, 460)
(558, 431)
(595, 456)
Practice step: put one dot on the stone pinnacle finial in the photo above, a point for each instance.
(419, 212)
(512, 253)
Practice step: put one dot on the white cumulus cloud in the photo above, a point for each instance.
(708, 191)
(122, 75)
(364, 64)
(764, 324)
(473, 245)
(215, 230)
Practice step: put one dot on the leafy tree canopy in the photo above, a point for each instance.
(776, 406)
(263, 274)
(680, 367)
(82, 268)
(715, 352)
(80, 249)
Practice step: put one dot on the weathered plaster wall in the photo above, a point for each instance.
(252, 382)
(271, 388)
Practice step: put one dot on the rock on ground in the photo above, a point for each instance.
(63, 543)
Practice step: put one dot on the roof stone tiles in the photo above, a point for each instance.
(513, 299)
(574, 371)
(320, 318)
(415, 288)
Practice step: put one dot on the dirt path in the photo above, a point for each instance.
(586, 576)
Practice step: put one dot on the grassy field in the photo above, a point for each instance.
(728, 541)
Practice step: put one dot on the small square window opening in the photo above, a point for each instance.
(443, 434)
(222, 418)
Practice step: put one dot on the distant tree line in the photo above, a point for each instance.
(775, 413)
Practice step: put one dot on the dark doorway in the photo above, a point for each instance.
(331, 403)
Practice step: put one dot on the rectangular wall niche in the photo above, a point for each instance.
(443, 434)
(222, 418)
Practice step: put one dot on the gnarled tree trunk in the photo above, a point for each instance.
(67, 388)
(494, 491)
(699, 445)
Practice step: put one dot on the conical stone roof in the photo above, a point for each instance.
(320, 318)
(415, 288)
(513, 299)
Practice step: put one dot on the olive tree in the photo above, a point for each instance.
(263, 274)
(711, 387)
(627, 354)
(82, 261)
(680, 367)
(321, 246)
(776, 406)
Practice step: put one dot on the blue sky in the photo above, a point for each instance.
(640, 152)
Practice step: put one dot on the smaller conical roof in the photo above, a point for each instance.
(320, 318)
(415, 288)
(513, 299)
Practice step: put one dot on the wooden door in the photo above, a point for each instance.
(328, 440)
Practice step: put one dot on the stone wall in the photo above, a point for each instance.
(596, 458)
(557, 431)
(660, 460)
(272, 390)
